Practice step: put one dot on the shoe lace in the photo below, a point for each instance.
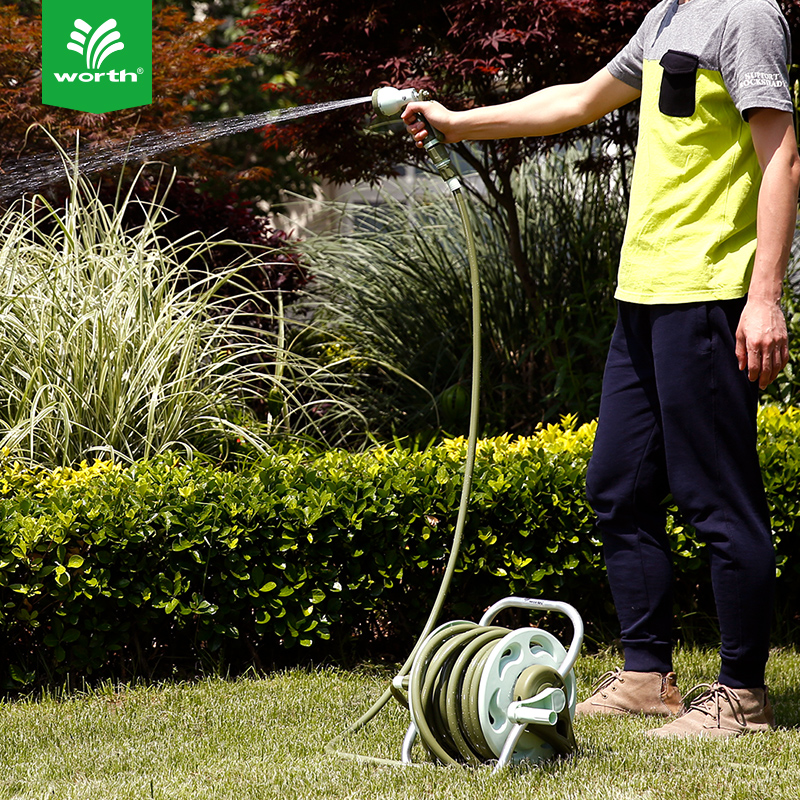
(604, 681)
(711, 699)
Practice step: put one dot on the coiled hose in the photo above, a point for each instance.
(446, 702)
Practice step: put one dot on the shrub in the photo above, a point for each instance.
(785, 389)
(112, 346)
(166, 565)
(190, 214)
(395, 288)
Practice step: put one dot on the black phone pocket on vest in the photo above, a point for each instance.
(678, 82)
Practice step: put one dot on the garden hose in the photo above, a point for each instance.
(469, 464)
(477, 692)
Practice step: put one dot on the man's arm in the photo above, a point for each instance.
(761, 338)
(552, 110)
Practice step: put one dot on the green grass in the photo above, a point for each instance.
(265, 738)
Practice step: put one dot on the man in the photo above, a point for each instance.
(700, 329)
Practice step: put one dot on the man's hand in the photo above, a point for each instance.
(437, 115)
(762, 344)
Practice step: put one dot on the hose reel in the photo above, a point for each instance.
(479, 692)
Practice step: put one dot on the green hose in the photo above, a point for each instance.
(454, 675)
(445, 699)
(444, 673)
(443, 692)
(469, 466)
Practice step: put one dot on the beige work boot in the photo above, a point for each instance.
(623, 692)
(722, 711)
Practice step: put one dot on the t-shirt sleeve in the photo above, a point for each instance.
(626, 66)
(754, 56)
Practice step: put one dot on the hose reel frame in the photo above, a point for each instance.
(479, 692)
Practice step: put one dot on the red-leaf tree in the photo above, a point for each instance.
(185, 73)
(468, 52)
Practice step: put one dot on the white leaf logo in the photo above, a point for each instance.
(103, 42)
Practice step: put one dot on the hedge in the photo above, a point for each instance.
(170, 567)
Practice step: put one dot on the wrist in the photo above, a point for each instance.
(764, 298)
(766, 290)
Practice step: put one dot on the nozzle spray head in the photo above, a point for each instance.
(388, 101)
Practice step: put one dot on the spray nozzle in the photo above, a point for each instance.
(388, 102)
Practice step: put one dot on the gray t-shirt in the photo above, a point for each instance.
(747, 41)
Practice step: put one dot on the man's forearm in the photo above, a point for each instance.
(554, 109)
(761, 338)
(777, 220)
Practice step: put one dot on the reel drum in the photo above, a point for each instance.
(509, 676)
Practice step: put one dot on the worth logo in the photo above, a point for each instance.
(86, 63)
(102, 44)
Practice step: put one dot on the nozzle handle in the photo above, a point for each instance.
(432, 132)
(434, 144)
(424, 95)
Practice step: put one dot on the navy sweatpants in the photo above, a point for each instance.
(677, 415)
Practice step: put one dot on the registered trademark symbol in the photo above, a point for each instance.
(140, 70)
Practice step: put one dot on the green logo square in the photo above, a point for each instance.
(95, 59)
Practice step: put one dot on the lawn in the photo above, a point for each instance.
(265, 737)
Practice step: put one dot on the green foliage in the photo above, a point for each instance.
(103, 352)
(395, 288)
(785, 389)
(166, 564)
(780, 463)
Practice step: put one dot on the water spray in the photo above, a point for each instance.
(46, 168)
(478, 692)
